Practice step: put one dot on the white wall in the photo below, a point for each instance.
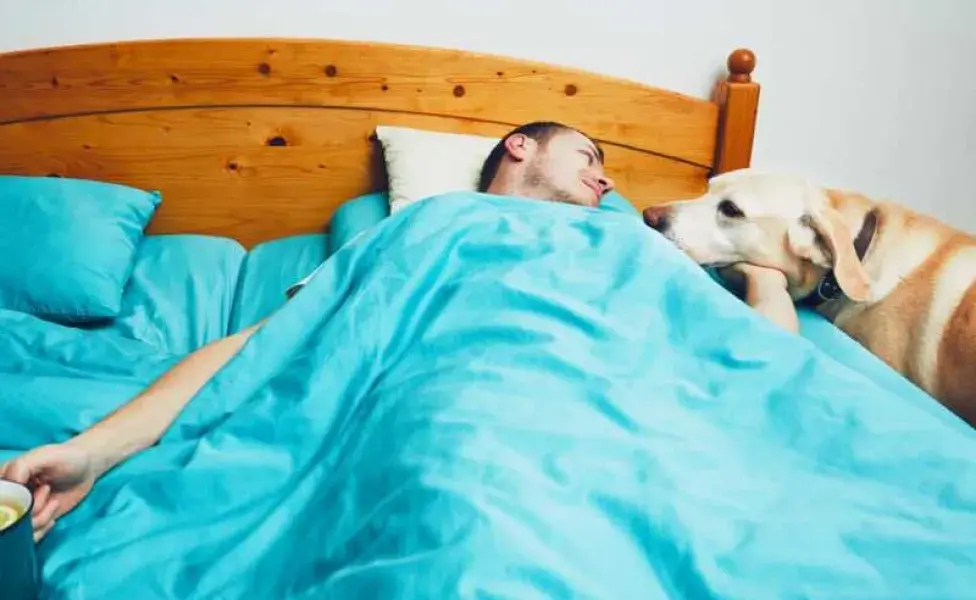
(877, 95)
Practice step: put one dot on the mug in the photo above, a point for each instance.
(19, 578)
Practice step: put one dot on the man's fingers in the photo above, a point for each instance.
(18, 471)
(46, 514)
(41, 495)
(43, 531)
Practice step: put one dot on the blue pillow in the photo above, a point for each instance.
(356, 215)
(68, 246)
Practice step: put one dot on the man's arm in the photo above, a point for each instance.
(143, 420)
(61, 475)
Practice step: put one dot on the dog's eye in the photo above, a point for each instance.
(730, 210)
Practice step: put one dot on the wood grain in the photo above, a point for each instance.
(261, 139)
(128, 76)
(222, 171)
(739, 104)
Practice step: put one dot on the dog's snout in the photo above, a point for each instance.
(656, 217)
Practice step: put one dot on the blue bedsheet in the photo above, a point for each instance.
(484, 397)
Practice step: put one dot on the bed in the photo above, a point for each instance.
(451, 407)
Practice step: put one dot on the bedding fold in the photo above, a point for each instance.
(486, 397)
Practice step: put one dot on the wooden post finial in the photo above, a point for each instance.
(737, 97)
(741, 63)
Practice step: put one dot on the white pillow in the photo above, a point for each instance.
(421, 163)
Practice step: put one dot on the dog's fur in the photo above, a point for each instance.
(911, 299)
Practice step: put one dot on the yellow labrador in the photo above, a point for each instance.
(901, 283)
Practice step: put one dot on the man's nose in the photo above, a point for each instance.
(656, 217)
(606, 184)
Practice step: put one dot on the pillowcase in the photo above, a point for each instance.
(355, 216)
(421, 163)
(69, 245)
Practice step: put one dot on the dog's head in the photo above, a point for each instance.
(770, 220)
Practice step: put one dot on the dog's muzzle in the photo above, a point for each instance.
(656, 217)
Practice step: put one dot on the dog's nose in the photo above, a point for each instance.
(656, 217)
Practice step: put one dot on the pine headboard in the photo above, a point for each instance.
(257, 139)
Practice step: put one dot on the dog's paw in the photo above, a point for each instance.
(743, 276)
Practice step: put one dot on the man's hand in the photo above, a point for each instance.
(60, 475)
(765, 290)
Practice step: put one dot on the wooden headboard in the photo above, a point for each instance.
(257, 139)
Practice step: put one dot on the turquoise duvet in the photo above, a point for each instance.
(490, 398)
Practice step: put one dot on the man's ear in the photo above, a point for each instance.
(519, 146)
(825, 230)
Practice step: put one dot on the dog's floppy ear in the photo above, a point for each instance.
(834, 236)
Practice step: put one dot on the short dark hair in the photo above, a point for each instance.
(540, 131)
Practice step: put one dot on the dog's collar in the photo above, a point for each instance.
(828, 288)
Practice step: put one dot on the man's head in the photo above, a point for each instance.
(547, 161)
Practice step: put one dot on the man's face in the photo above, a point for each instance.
(564, 168)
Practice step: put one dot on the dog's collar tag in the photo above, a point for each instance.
(828, 289)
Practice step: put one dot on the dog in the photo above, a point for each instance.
(900, 283)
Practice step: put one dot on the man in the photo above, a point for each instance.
(540, 161)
